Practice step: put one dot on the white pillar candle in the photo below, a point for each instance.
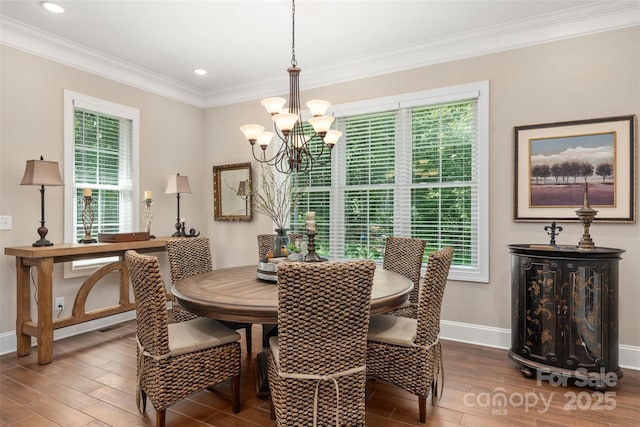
(183, 220)
(87, 192)
(311, 225)
(311, 216)
(147, 195)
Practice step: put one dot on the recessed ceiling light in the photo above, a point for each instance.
(52, 7)
(200, 71)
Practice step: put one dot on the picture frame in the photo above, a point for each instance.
(555, 162)
(232, 198)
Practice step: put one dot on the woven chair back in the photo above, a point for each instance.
(295, 237)
(432, 293)
(188, 256)
(151, 302)
(323, 315)
(265, 244)
(404, 255)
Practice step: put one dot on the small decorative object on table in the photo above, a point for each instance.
(311, 233)
(87, 217)
(148, 213)
(586, 214)
(183, 233)
(553, 230)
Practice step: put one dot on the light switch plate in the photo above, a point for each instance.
(5, 222)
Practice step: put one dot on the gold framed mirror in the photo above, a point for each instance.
(232, 192)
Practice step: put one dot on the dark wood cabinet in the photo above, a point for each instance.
(565, 312)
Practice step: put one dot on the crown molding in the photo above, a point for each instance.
(37, 42)
(575, 22)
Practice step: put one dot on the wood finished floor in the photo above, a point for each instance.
(91, 382)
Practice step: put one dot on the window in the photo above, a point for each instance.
(101, 154)
(414, 165)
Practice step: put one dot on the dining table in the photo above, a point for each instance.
(236, 294)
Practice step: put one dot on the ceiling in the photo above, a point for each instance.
(246, 44)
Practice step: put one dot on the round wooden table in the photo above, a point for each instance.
(236, 294)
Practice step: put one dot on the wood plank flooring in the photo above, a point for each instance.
(91, 382)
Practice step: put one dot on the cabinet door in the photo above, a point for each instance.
(541, 327)
(583, 330)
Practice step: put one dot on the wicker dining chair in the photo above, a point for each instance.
(323, 313)
(176, 359)
(404, 255)
(407, 352)
(189, 256)
(265, 244)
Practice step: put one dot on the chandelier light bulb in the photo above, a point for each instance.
(274, 105)
(285, 121)
(264, 139)
(331, 137)
(321, 124)
(318, 107)
(251, 132)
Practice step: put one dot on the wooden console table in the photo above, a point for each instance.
(43, 259)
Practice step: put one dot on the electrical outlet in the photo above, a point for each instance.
(59, 305)
(5, 222)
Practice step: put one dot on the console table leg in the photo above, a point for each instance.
(45, 311)
(23, 307)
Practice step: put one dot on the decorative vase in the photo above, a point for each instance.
(281, 240)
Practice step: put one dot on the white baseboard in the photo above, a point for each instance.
(488, 336)
(8, 339)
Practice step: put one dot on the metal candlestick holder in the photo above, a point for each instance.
(586, 214)
(87, 221)
(180, 226)
(311, 255)
(148, 216)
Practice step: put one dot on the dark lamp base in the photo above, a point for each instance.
(42, 242)
(87, 241)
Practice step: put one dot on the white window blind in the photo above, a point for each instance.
(415, 166)
(101, 154)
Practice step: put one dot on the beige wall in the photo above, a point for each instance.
(588, 77)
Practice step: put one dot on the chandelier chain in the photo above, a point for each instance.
(293, 34)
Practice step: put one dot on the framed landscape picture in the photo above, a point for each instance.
(556, 163)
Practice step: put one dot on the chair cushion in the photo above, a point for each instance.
(198, 334)
(392, 330)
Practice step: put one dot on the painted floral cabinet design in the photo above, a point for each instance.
(565, 310)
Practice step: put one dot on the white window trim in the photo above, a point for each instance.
(75, 99)
(479, 90)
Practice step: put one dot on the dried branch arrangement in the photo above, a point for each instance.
(276, 198)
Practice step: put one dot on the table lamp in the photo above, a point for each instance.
(42, 172)
(178, 184)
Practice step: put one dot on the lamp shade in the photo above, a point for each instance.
(42, 172)
(178, 184)
(242, 189)
(264, 139)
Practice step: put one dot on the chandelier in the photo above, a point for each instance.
(296, 153)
